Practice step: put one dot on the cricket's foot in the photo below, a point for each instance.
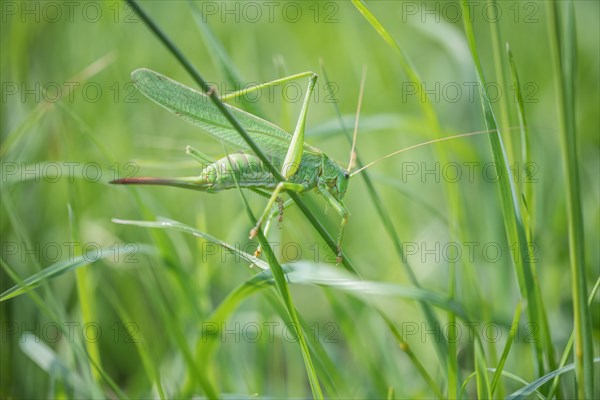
(254, 231)
(339, 255)
(280, 206)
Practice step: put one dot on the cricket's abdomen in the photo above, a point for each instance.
(244, 168)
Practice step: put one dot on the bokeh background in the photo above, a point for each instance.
(71, 121)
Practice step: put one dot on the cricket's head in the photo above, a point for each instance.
(336, 178)
(342, 183)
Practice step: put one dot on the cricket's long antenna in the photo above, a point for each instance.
(360, 98)
(419, 145)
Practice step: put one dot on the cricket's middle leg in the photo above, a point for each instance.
(295, 187)
(274, 212)
(342, 211)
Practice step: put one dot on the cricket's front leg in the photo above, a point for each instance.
(295, 187)
(344, 213)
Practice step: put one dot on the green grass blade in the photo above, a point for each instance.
(206, 346)
(85, 293)
(79, 350)
(496, 39)
(507, 346)
(216, 50)
(447, 360)
(142, 344)
(531, 387)
(483, 383)
(405, 62)
(393, 234)
(414, 358)
(569, 346)
(307, 274)
(564, 59)
(527, 194)
(165, 223)
(303, 272)
(517, 378)
(525, 145)
(173, 324)
(513, 222)
(286, 296)
(47, 359)
(62, 267)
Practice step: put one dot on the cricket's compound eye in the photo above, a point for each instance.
(346, 174)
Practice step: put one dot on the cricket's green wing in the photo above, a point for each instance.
(199, 109)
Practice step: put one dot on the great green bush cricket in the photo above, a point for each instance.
(302, 166)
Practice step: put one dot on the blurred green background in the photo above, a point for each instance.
(71, 120)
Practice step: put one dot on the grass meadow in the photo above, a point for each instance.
(470, 265)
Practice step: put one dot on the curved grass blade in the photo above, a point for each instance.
(531, 387)
(527, 194)
(62, 267)
(165, 223)
(170, 224)
(301, 273)
(307, 273)
(504, 373)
